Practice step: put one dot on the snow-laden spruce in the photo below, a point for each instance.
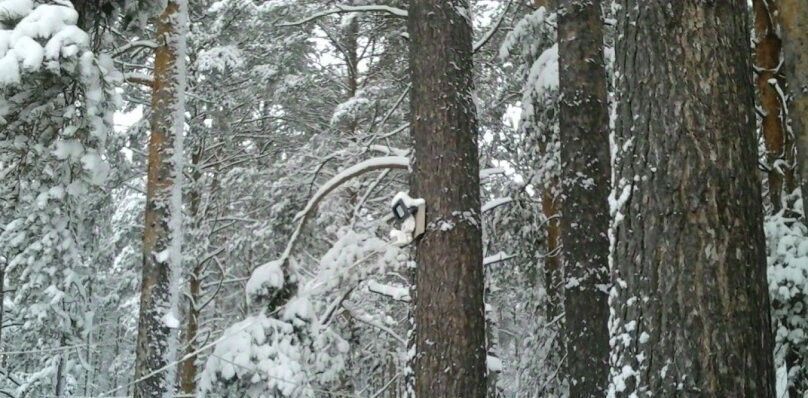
(56, 104)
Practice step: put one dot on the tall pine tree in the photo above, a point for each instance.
(689, 299)
(450, 359)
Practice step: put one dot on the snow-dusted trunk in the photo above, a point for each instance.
(162, 233)
(586, 183)
(188, 369)
(769, 84)
(550, 206)
(794, 26)
(2, 312)
(689, 297)
(450, 357)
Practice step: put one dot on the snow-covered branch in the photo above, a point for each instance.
(488, 35)
(397, 293)
(493, 204)
(488, 173)
(368, 320)
(379, 163)
(147, 44)
(342, 9)
(271, 276)
(497, 258)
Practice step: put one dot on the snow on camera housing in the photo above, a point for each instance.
(412, 214)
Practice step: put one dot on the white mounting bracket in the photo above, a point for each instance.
(412, 213)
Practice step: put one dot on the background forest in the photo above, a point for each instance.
(196, 198)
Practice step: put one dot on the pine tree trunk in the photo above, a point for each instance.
(690, 300)
(586, 183)
(767, 62)
(153, 333)
(794, 24)
(450, 356)
(188, 369)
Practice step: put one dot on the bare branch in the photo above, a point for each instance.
(488, 35)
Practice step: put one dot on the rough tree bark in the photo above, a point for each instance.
(155, 295)
(450, 358)
(690, 300)
(586, 183)
(794, 24)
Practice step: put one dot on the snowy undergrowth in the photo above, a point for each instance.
(787, 254)
(291, 350)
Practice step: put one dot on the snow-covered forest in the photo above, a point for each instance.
(403, 198)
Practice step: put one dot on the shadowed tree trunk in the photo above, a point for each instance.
(158, 254)
(690, 300)
(450, 355)
(586, 183)
(553, 273)
(794, 27)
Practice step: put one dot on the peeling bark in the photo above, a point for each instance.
(767, 63)
(155, 296)
(794, 24)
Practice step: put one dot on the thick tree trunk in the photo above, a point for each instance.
(767, 62)
(794, 24)
(155, 296)
(690, 300)
(450, 355)
(586, 183)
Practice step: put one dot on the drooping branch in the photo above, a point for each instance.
(302, 217)
(493, 204)
(497, 258)
(343, 9)
(258, 278)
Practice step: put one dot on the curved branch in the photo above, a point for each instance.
(488, 35)
(493, 204)
(380, 163)
(343, 9)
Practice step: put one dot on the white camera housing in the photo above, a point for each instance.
(412, 213)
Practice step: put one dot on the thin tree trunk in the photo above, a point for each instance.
(2, 311)
(586, 183)
(188, 369)
(553, 272)
(794, 24)
(450, 359)
(690, 301)
(59, 388)
(767, 63)
(155, 297)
